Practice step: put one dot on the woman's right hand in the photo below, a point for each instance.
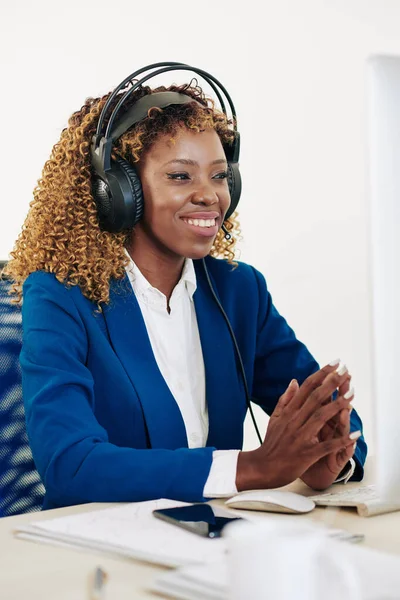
(291, 444)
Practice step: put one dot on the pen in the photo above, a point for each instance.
(97, 587)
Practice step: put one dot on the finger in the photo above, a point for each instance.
(313, 382)
(339, 420)
(343, 457)
(349, 451)
(286, 397)
(344, 415)
(344, 421)
(345, 387)
(322, 415)
(318, 397)
(324, 448)
(328, 431)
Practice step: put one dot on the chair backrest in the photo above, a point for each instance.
(20, 487)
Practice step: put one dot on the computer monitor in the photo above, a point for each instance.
(383, 90)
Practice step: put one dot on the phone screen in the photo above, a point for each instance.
(202, 519)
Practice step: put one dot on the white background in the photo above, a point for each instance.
(296, 72)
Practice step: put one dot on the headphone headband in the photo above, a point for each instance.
(102, 145)
(139, 110)
(169, 66)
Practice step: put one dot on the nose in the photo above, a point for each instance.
(205, 196)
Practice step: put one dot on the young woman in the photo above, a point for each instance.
(132, 385)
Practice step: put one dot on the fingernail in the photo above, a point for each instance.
(335, 362)
(341, 370)
(355, 435)
(355, 446)
(349, 394)
(350, 409)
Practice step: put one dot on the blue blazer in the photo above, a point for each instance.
(96, 401)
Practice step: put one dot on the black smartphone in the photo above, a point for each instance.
(202, 519)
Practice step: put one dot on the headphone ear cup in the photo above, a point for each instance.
(235, 187)
(102, 198)
(136, 189)
(118, 197)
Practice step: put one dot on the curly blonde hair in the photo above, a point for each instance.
(61, 233)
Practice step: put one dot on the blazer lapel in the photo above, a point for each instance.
(224, 389)
(131, 343)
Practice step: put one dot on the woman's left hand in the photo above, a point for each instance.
(325, 471)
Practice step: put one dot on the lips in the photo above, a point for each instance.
(201, 227)
(201, 215)
(205, 214)
(200, 222)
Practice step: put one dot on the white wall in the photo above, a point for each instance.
(296, 75)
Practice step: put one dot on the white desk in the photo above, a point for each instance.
(30, 571)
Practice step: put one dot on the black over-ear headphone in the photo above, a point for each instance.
(116, 188)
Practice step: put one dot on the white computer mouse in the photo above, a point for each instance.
(271, 501)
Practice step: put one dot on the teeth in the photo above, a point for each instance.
(201, 222)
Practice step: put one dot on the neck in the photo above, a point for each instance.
(161, 270)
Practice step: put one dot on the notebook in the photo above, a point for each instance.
(364, 498)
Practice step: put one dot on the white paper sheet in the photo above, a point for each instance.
(130, 530)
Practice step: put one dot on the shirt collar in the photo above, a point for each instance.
(189, 277)
(141, 285)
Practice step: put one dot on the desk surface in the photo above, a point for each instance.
(30, 571)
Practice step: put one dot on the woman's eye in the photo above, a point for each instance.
(222, 175)
(183, 176)
(177, 176)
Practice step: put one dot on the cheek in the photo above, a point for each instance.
(161, 204)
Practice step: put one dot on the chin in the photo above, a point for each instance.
(197, 253)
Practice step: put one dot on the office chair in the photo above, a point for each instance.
(20, 487)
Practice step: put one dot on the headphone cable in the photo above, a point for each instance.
(246, 389)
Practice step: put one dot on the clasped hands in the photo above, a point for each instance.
(308, 435)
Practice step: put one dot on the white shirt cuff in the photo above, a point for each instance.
(221, 481)
(346, 476)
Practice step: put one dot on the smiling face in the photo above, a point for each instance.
(186, 194)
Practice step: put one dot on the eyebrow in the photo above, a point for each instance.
(194, 163)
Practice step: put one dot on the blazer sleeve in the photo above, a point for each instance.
(72, 453)
(281, 357)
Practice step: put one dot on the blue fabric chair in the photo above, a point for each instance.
(20, 487)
